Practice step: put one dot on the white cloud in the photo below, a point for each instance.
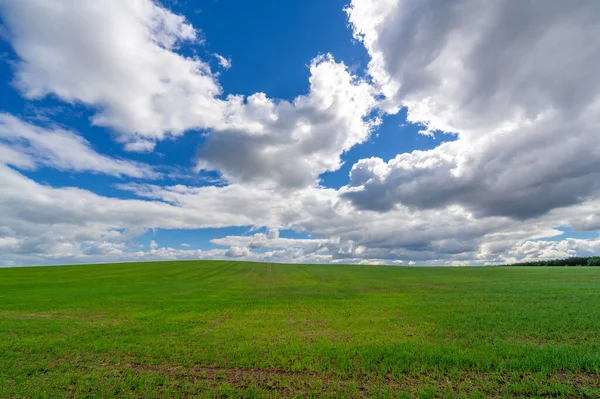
(426, 236)
(235, 204)
(372, 262)
(237, 252)
(118, 56)
(516, 80)
(224, 62)
(9, 244)
(25, 146)
(140, 146)
(264, 241)
(498, 74)
(534, 250)
(291, 143)
(11, 156)
(42, 224)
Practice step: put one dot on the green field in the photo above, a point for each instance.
(234, 329)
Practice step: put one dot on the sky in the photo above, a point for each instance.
(399, 132)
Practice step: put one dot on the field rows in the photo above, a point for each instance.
(230, 329)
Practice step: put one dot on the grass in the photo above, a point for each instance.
(234, 329)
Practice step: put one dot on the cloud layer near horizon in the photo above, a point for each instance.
(516, 83)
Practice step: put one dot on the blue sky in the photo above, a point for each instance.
(125, 136)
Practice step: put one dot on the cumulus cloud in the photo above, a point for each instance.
(42, 224)
(119, 57)
(267, 241)
(516, 81)
(236, 204)
(26, 146)
(533, 250)
(499, 75)
(237, 252)
(292, 143)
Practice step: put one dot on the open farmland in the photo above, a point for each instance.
(234, 329)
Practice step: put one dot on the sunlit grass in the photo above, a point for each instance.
(233, 329)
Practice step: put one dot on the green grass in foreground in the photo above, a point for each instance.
(232, 329)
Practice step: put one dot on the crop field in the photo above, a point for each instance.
(235, 329)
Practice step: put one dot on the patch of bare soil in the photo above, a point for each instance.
(291, 383)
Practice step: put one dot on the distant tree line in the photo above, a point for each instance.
(574, 261)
